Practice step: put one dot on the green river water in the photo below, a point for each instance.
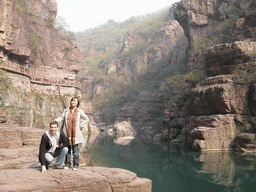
(175, 169)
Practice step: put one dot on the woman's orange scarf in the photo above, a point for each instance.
(72, 126)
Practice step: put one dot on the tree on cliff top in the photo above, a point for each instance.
(62, 26)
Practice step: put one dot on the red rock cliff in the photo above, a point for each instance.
(220, 112)
(28, 38)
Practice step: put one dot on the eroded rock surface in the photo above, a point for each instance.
(218, 95)
(29, 42)
(223, 58)
(219, 110)
(21, 171)
(18, 137)
(89, 179)
(32, 40)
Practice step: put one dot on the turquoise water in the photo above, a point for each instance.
(176, 169)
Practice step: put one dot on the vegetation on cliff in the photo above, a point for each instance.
(245, 71)
(225, 30)
(4, 83)
(229, 29)
(105, 44)
(34, 53)
(22, 106)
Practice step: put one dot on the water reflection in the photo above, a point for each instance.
(173, 168)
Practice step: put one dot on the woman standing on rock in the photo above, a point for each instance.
(74, 120)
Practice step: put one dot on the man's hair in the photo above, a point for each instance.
(53, 123)
(78, 101)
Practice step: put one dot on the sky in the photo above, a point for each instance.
(84, 14)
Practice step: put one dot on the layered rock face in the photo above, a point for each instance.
(220, 111)
(168, 43)
(197, 17)
(223, 58)
(167, 50)
(165, 45)
(41, 62)
(199, 20)
(31, 47)
(202, 19)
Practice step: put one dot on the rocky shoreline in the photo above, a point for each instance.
(90, 179)
(21, 171)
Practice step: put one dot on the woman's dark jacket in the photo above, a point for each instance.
(46, 145)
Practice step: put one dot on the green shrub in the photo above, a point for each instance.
(220, 35)
(33, 40)
(137, 48)
(22, 5)
(4, 80)
(107, 57)
(245, 70)
(151, 23)
(47, 4)
(245, 73)
(51, 20)
(90, 67)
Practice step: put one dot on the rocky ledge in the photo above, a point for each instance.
(21, 171)
(88, 179)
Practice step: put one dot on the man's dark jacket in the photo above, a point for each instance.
(46, 145)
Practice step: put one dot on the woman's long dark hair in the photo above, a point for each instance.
(78, 101)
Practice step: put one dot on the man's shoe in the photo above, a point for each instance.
(66, 167)
(57, 167)
(74, 168)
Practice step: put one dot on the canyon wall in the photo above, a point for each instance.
(219, 111)
(28, 38)
(142, 117)
(41, 62)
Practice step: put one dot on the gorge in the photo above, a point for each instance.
(182, 89)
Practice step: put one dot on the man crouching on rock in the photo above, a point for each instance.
(53, 144)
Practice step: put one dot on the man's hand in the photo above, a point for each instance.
(53, 150)
(43, 169)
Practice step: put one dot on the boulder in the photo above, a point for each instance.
(124, 129)
(129, 39)
(217, 95)
(223, 58)
(214, 132)
(218, 132)
(245, 142)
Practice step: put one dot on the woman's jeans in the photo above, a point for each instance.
(75, 151)
(60, 153)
